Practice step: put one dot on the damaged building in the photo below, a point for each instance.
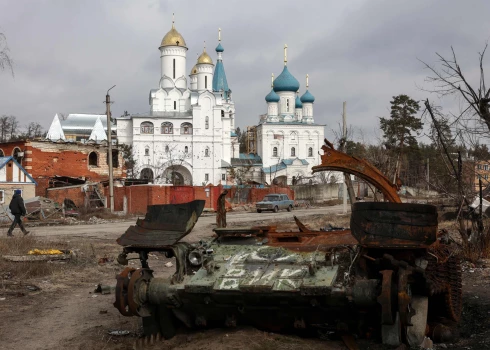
(52, 164)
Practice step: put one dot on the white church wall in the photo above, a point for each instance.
(168, 55)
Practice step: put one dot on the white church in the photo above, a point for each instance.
(186, 138)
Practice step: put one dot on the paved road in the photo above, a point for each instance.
(204, 226)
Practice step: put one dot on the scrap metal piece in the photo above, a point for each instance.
(121, 302)
(163, 225)
(221, 210)
(384, 299)
(338, 161)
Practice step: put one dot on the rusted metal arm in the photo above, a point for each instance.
(338, 161)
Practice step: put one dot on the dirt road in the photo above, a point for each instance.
(203, 228)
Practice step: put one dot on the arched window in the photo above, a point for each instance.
(206, 152)
(146, 174)
(206, 123)
(222, 113)
(167, 128)
(147, 151)
(293, 152)
(1, 153)
(230, 114)
(310, 152)
(175, 105)
(205, 82)
(146, 128)
(93, 159)
(274, 152)
(17, 154)
(174, 70)
(186, 128)
(186, 149)
(167, 149)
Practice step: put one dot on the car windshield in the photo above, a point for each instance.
(271, 198)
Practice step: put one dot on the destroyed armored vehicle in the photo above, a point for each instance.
(392, 274)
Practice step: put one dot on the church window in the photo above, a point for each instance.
(167, 128)
(310, 152)
(166, 149)
(206, 177)
(222, 114)
(146, 128)
(115, 158)
(230, 114)
(206, 123)
(274, 152)
(206, 82)
(92, 159)
(175, 105)
(223, 177)
(1, 153)
(147, 151)
(186, 128)
(206, 152)
(174, 70)
(293, 152)
(186, 149)
(287, 105)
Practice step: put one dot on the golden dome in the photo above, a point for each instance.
(194, 70)
(204, 58)
(173, 38)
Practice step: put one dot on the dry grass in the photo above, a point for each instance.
(100, 213)
(20, 245)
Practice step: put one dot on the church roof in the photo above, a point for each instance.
(307, 97)
(283, 164)
(204, 58)
(272, 97)
(173, 38)
(286, 81)
(83, 121)
(219, 48)
(55, 131)
(219, 77)
(98, 133)
(247, 160)
(297, 102)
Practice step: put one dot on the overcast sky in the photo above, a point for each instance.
(68, 53)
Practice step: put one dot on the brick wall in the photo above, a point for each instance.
(45, 159)
(75, 193)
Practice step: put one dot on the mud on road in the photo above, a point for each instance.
(67, 314)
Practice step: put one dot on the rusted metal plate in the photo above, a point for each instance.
(338, 161)
(394, 225)
(163, 225)
(310, 241)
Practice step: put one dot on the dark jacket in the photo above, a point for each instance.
(17, 205)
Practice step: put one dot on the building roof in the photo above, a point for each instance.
(219, 78)
(204, 58)
(98, 133)
(55, 131)
(297, 103)
(162, 114)
(83, 121)
(233, 134)
(5, 160)
(307, 97)
(283, 164)
(245, 159)
(225, 164)
(272, 97)
(219, 48)
(286, 81)
(173, 38)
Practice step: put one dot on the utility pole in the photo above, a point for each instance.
(428, 184)
(109, 139)
(344, 135)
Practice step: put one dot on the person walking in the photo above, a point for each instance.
(17, 209)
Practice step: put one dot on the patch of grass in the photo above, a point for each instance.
(21, 245)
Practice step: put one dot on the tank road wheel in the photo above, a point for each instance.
(290, 208)
(259, 211)
(276, 209)
(416, 333)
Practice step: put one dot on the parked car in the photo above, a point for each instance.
(275, 202)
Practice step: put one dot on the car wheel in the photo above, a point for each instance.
(259, 211)
(290, 208)
(276, 209)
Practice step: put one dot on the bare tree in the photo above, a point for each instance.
(6, 61)
(13, 125)
(4, 128)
